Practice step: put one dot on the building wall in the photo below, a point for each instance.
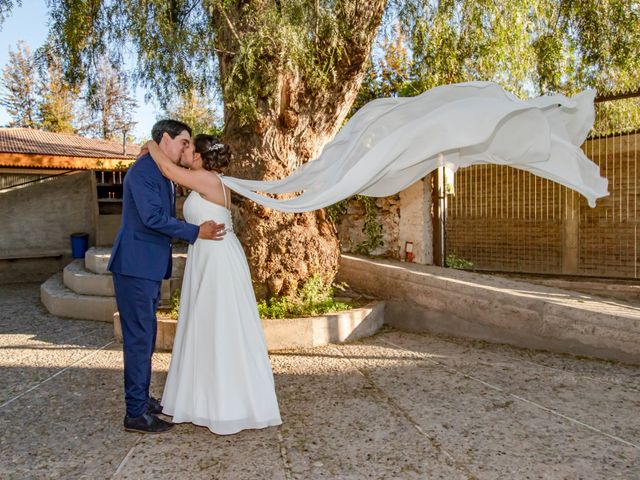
(415, 224)
(608, 236)
(37, 221)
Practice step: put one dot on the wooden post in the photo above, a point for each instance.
(438, 215)
(570, 236)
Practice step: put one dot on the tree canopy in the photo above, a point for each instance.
(20, 87)
(197, 111)
(5, 8)
(288, 73)
(36, 94)
(531, 47)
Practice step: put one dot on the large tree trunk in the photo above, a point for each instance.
(291, 128)
(289, 72)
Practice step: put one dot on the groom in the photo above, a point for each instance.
(140, 259)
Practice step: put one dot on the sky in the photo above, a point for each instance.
(29, 23)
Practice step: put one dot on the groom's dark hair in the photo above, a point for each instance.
(172, 127)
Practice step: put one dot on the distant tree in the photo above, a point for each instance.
(196, 110)
(5, 8)
(110, 106)
(57, 100)
(20, 88)
(389, 70)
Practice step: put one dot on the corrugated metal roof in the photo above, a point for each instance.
(36, 142)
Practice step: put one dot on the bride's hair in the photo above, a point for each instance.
(214, 153)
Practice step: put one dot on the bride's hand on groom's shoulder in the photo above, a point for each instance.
(144, 149)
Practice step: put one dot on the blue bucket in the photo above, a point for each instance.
(79, 244)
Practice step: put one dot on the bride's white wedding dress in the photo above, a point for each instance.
(220, 376)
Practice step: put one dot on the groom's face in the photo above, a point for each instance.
(174, 147)
(186, 160)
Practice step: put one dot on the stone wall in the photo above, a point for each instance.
(352, 230)
(37, 221)
(405, 217)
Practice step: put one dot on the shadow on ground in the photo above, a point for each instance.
(392, 406)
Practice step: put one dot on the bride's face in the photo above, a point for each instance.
(197, 161)
(186, 160)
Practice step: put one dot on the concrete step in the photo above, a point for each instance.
(63, 302)
(97, 258)
(84, 282)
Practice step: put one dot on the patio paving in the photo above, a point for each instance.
(392, 406)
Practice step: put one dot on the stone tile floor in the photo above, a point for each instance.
(393, 406)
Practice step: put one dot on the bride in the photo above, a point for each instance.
(220, 376)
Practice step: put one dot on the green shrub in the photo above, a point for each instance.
(175, 304)
(314, 297)
(453, 261)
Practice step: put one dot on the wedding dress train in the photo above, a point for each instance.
(391, 143)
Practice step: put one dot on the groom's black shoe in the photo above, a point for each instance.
(153, 406)
(147, 423)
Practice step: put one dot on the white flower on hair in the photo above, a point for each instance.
(215, 147)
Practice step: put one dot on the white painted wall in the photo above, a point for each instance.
(415, 221)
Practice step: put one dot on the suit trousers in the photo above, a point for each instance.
(137, 300)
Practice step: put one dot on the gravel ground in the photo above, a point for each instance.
(392, 406)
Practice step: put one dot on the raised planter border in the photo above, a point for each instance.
(291, 333)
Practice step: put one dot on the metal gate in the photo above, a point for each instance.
(503, 219)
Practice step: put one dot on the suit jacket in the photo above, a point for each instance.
(142, 247)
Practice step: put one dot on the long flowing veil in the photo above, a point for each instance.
(391, 143)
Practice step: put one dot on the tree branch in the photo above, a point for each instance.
(230, 25)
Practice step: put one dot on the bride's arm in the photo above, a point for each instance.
(198, 180)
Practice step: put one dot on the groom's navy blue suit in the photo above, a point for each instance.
(140, 259)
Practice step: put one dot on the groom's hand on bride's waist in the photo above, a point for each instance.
(211, 230)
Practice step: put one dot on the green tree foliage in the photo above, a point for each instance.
(5, 8)
(20, 87)
(388, 73)
(57, 100)
(179, 43)
(196, 110)
(617, 116)
(37, 94)
(531, 47)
